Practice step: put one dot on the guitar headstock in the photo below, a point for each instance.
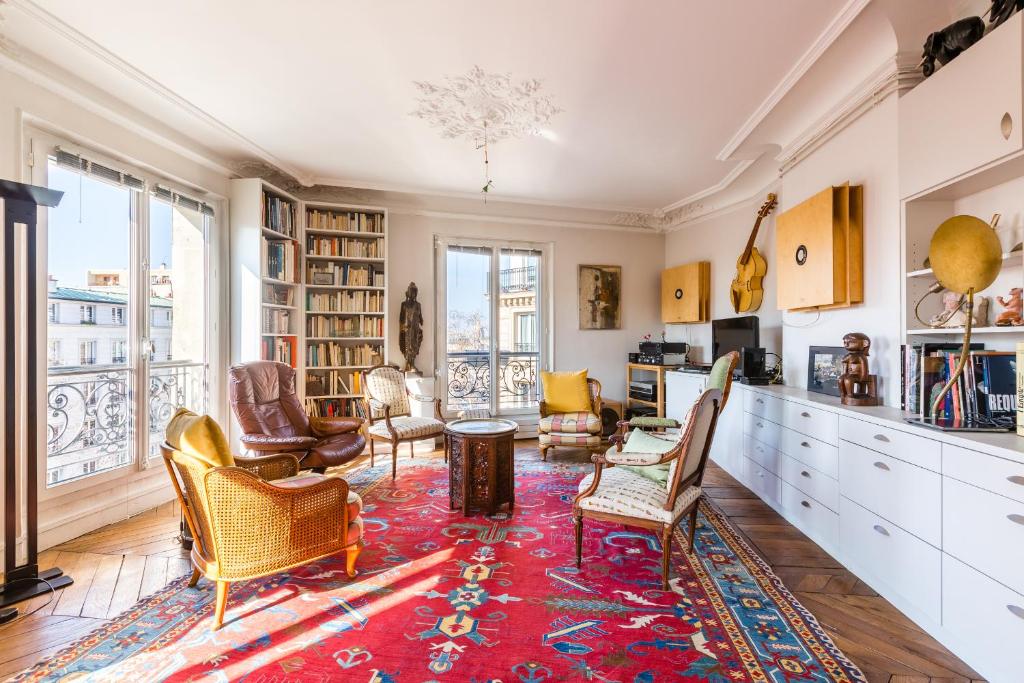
(768, 205)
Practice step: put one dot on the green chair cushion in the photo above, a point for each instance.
(640, 441)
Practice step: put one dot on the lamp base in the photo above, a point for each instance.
(30, 586)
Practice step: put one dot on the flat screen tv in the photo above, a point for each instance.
(732, 334)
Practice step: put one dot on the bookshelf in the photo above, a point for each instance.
(344, 302)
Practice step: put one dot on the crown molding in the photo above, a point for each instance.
(519, 220)
(60, 28)
(725, 182)
(756, 197)
(835, 28)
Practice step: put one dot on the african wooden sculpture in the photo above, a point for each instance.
(410, 328)
(857, 387)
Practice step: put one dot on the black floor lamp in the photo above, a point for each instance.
(20, 209)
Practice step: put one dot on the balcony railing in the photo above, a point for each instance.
(469, 379)
(89, 410)
(518, 279)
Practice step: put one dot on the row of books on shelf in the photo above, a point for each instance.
(346, 221)
(333, 407)
(343, 275)
(344, 246)
(278, 214)
(276, 321)
(345, 302)
(334, 326)
(278, 295)
(282, 260)
(987, 390)
(281, 349)
(332, 382)
(332, 354)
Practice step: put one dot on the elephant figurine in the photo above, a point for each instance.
(1001, 10)
(943, 46)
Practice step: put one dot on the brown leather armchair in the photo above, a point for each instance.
(267, 408)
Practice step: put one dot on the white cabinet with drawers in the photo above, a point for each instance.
(934, 522)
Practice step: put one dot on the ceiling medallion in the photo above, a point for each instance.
(484, 108)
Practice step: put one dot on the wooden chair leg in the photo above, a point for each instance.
(578, 521)
(394, 459)
(666, 554)
(220, 605)
(412, 450)
(195, 578)
(371, 452)
(351, 553)
(693, 525)
(544, 452)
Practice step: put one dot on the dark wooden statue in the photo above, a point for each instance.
(410, 328)
(857, 387)
(1002, 10)
(943, 46)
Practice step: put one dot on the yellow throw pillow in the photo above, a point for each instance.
(200, 437)
(566, 392)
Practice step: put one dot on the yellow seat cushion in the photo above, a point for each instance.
(200, 437)
(566, 392)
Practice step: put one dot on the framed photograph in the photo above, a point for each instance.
(600, 297)
(824, 366)
(323, 278)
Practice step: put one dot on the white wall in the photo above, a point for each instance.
(721, 239)
(602, 352)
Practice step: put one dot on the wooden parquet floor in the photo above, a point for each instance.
(115, 566)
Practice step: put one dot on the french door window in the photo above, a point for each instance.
(491, 347)
(127, 253)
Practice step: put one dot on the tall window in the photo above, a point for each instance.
(118, 351)
(87, 353)
(53, 313)
(117, 316)
(53, 350)
(88, 314)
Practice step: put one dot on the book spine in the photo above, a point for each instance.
(1020, 389)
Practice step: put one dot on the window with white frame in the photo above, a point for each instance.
(117, 315)
(118, 351)
(53, 357)
(88, 314)
(87, 352)
(53, 313)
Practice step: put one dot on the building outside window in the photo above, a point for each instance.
(118, 351)
(53, 311)
(87, 353)
(53, 357)
(117, 315)
(88, 314)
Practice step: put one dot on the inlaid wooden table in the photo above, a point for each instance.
(481, 464)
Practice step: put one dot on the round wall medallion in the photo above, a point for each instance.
(801, 255)
(679, 294)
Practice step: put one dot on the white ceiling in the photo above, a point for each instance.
(650, 91)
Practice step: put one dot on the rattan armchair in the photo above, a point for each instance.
(251, 520)
(625, 497)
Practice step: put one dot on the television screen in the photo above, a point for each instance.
(732, 334)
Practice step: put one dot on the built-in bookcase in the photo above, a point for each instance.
(309, 288)
(344, 302)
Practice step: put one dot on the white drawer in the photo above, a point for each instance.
(899, 566)
(1004, 477)
(914, 449)
(818, 454)
(810, 516)
(823, 489)
(762, 429)
(906, 495)
(985, 617)
(766, 485)
(985, 531)
(820, 424)
(765, 406)
(763, 454)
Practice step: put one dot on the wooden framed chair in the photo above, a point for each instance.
(386, 404)
(578, 430)
(622, 495)
(258, 516)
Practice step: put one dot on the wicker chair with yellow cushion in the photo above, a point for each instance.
(621, 495)
(252, 517)
(570, 412)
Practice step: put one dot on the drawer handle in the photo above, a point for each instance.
(1016, 519)
(805, 444)
(1016, 479)
(759, 400)
(760, 474)
(881, 529)
(805, 414)
(761, 425)
(805, 473)
(1016, 611)
(882, 437)
(805, 503)
(882, 466)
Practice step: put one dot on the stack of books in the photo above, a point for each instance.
(987, 390)
(282, 256)
(278, 214)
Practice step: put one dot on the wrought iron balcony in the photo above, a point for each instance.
(89, 411)
(518, 279)
(469, 379)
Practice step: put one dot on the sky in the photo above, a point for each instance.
(91, 229)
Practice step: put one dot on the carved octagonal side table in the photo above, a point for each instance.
(481, 464)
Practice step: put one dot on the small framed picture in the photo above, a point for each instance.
(824, 366)
(323, 278)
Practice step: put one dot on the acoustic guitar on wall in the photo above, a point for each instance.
(747, 291)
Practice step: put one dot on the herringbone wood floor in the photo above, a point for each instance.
(115, 566)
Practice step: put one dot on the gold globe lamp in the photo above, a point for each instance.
(965, 256)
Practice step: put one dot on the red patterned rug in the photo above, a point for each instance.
(442, 597)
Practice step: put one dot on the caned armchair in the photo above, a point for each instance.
(578, 430)
(387, 405)
(259, 516)
(621, 495)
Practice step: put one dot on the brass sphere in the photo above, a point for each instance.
(965, 253)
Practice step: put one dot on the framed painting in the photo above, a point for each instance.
(824, 366)
(600, 297)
